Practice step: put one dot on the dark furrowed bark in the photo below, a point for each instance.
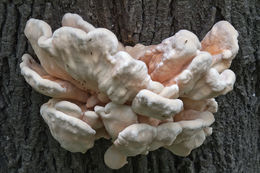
(26, 144)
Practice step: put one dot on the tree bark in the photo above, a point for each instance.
(26, 144)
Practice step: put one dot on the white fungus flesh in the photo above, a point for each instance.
(141, 97)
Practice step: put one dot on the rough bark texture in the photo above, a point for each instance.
(26, 144)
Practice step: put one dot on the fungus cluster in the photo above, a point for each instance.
(141, 98)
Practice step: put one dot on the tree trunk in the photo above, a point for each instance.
(26, 144)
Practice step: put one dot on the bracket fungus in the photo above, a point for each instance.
(141, 98)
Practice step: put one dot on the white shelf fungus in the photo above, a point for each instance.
(141, 97)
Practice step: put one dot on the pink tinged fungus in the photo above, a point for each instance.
(222, 43)
(172, 55)
(140, 97)
(193, 72)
